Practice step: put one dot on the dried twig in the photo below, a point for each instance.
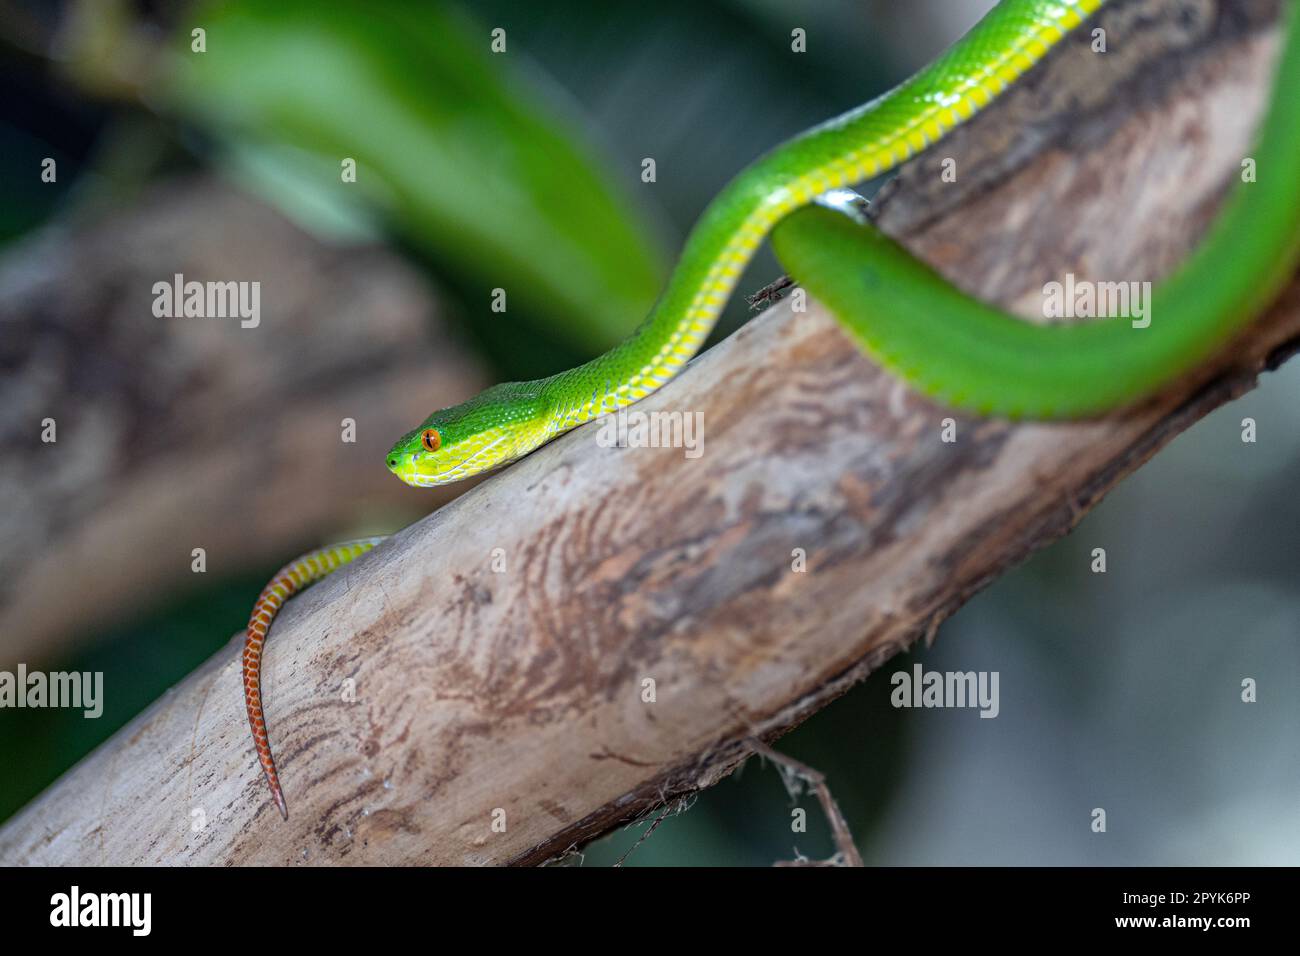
(793, 771)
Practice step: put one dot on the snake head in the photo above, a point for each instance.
(492, 429)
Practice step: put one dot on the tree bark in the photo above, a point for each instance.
(493, 662)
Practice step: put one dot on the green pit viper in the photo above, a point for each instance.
(961, 352)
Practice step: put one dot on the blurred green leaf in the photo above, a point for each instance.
(454, 144)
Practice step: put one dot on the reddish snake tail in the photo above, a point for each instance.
(288, 581)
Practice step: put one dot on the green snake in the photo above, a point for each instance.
(963, 353)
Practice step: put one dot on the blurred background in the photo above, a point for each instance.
(1119, 690)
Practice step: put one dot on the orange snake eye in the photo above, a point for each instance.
(431, 440)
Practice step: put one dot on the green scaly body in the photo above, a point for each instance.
(965, 353)
(508, 421)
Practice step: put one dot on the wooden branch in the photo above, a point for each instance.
(182, 433)
(427, 691)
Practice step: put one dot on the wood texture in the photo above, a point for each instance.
(522, 690)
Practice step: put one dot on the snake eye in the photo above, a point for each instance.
(431, 440)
